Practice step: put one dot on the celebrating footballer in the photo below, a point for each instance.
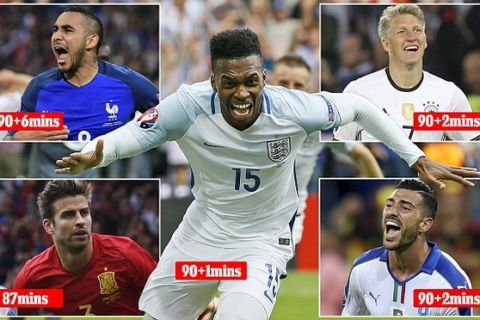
(241, 138)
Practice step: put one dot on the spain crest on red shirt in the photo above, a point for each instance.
(107, 282)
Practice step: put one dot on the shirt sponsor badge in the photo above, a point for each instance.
(407, 111)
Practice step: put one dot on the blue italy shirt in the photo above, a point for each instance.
(372, 288)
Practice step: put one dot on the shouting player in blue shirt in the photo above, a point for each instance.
(382, 280)
(95, 96)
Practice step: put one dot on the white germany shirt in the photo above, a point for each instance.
(432, 94)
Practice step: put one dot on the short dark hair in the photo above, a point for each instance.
(94, 27)
(234, 44)
(293, 60)
(428, 196)
(58, 189)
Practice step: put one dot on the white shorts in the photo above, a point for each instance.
(165, 298)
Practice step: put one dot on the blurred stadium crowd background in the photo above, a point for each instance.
(127, 208)
(73, 1)
(350, 219)
(290, 1)
(130, 31)
(186, 26)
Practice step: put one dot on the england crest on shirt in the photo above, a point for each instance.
(278, 149)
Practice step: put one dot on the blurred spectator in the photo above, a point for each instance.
(280, 26)
(333, 272)
(471, 78)
(306, 45)
(186, 26)
(327, 80)
(355, 58)
(177, 182)
(472, 21)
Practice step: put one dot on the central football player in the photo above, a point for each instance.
(383, 280)
(240, 138)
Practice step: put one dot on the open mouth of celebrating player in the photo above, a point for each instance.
(61, 53)
(392, 229)
(411, 48)
(241, 110)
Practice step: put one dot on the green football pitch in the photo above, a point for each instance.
(298, 297)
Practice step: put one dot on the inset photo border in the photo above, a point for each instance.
(369, 227)
(98, 240)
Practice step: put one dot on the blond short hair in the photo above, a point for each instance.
(392, 12)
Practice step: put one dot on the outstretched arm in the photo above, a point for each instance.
(355, 108)
(117, 144)
(433, 173)
(169, 120)
(12, 81)
(79, 162)
(39, 135)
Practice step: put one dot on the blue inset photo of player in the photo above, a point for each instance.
(95, 95)
(97, 65)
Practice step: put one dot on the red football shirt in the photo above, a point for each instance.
(110, 284)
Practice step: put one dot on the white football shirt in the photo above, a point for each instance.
(372, 289)
(244, 184)
(243, 180)
(432, 94)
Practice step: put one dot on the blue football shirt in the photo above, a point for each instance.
(372, 288)
(96, 108)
